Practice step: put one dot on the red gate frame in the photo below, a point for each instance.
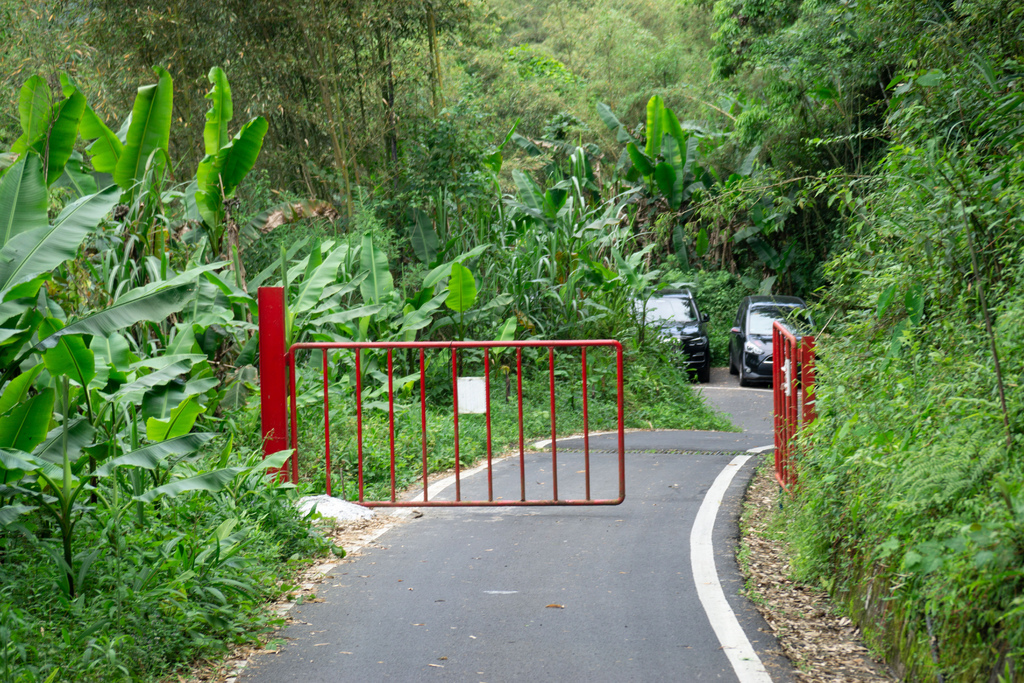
(278, 394)
(793, 386)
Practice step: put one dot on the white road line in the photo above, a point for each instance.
(735, 643)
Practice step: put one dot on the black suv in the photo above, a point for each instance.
(675, 312)
(750, 339)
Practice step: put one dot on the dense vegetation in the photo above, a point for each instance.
(483, 170)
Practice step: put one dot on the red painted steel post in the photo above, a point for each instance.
(487, 411)
(391, 422)
(522, 451)
(622, 422)
(455, 404)
(273, 376)
(423, 419)
(327, 430)
(359, 421)
(586, 430)
(554, 431)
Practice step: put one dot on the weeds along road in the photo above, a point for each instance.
(556, 593)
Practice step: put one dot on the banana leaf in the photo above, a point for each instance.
(23, 200)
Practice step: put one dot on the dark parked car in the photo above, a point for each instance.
(675, 312)
(750, 339)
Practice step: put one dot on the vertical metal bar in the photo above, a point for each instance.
(622, 422)
(487, 411)
(273, 376)
(586, 430)
(391, 422)
(294, 459)
(359, 421)
(423, 419)
(794, 398)
(778, 395)
(455, 401)
(327, 430)
(522, 452)
(554, 433)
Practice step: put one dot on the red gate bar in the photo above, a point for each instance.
(394, 501)
(793, 388)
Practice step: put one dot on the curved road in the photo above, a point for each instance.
(558, 593)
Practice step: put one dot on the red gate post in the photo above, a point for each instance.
(273, 376)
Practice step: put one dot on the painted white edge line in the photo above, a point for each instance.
(540, 445)
(760, 449)
(735, 644)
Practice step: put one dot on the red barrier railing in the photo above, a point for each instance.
(793, 385)
(280, 410)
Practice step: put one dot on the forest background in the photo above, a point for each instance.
(863, 154)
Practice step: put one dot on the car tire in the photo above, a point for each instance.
(744, 382)
(704, 373)
(732, 367)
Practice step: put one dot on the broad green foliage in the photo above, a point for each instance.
(82, 469)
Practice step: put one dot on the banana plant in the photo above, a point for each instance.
(226, 163)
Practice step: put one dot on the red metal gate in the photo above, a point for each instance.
(793, 383)
(280, 410)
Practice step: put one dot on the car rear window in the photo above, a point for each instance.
(673, 310)
(761, 319)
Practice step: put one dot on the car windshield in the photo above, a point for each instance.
(761, 319)
(671, 310)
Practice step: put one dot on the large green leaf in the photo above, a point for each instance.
(531, 193)
(153, 456)
(640, 161)
(655, 126)
(159, 401)
(106, 149)
(178, 424)
(215, 133)
(312, 286)
(79, 435)
(665, 176)
(374, 261)
(10, 513)
(69, 356)
(219, 175)
(613, 123)
(35, 108)
(423, 236)
(17, 389)
(26, 425)
(59, 142)
(43, 249)
(126, 311)
(240, 154)
(150, 130)
(23, 200)
(461, 289)
(134, 391)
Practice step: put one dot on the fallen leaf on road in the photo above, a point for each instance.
(556, 606)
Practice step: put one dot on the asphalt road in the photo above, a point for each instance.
(558, 593)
